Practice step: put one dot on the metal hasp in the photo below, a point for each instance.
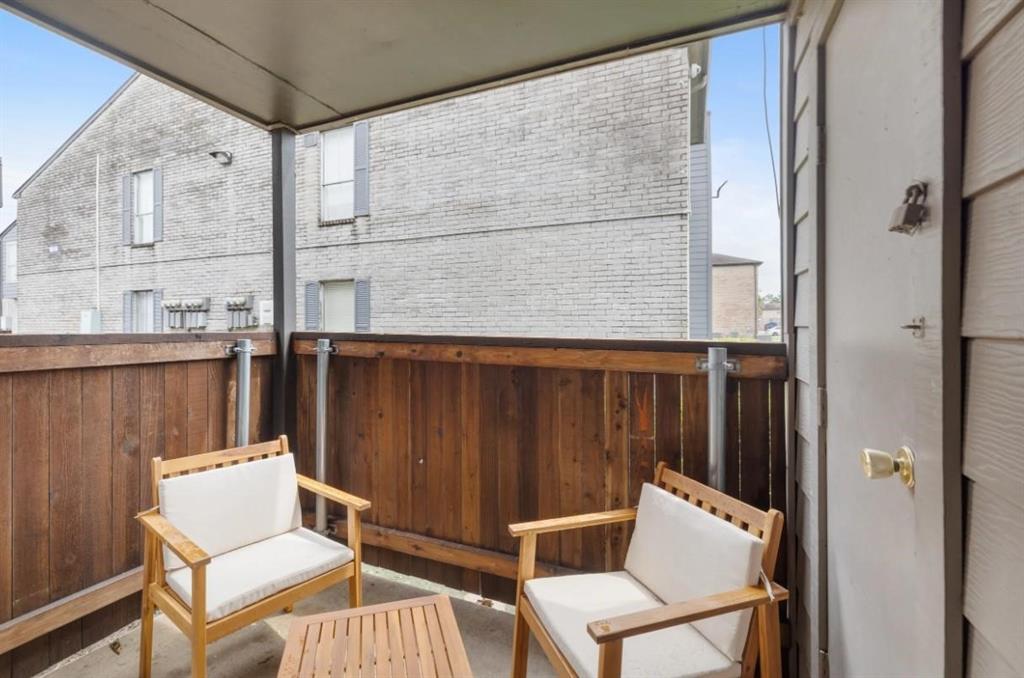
(243, 350)
(323, 363)
(717, 365)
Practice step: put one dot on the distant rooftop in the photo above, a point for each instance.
(729, 260)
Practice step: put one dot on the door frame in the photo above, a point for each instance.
(950, 207)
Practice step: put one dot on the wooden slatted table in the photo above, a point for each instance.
(417, 638)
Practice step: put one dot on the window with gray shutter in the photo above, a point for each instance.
(361, 199)
(363, 305)
(127, 309)
(126, 209)
(158, 310)
(158, 204)
(312, 305)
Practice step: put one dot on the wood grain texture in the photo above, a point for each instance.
(79, 441)
(993, 425)
(34, 358)
(993, 303)
(994, 544)
(765, 366)
(983, 660)
(982, 18)
(994, 150)
(490, 445)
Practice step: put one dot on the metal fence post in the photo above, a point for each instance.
(323, 358)
(243, 350)
(717, 365)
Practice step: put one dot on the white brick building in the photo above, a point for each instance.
(558, 206)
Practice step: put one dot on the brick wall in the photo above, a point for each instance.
(217, 237)
(556, 206)
(734, 300)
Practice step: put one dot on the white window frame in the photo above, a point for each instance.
(324, 184)
(142, 310)
(141, 233)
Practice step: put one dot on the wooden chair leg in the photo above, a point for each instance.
(769, 641)
(609, 659)
(355, 589)
(199, 622)
(146, 631)
(355, 542)
(520, 645)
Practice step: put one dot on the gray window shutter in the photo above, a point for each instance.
(312, 306)
(158, 310)
(361, 134)
(126, 209)
(158, 205)
(127, 311)
(363, 305)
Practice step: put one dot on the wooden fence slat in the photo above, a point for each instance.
(755, 444)
(98, 556)
(695, 428)
(216, 399)
(469, 392)
(6, 509)
(30, 570)
(616, 402)
(548, 480)
(151, 428)
(197, 407)
(732, 437)
(592, 466)
(569, 467)
(668, 420)
(66, 488)
(175, 411)
(641, 433)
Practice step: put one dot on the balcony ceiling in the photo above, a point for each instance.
(316, 63)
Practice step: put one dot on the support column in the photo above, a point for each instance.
(283, 209)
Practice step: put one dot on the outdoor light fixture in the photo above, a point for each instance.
(223, 157)
(53, 249)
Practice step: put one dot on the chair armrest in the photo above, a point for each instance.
(176, 541)
(334, 494)
(572, 522)
(674, 614)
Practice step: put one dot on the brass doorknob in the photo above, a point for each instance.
(878, 464)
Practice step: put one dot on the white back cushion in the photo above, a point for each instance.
(226, 508)
(679, 552)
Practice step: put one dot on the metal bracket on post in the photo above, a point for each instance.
(243, 350)
(324, 349)
(717, 365)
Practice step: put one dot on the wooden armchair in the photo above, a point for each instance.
(695, 597)
(225, 547)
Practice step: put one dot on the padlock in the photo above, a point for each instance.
(912, 212)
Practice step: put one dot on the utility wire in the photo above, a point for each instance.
(767, 127)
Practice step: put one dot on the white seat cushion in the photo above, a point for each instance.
(226, 508)
(681, 552)
(247, 575)
(567, 604)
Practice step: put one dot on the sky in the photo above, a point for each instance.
(745, 220)
(50, 85)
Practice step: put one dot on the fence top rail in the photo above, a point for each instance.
(736, 348)
(30, 340)
(39, 353)
(681, 358)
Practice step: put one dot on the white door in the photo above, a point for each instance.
(883, 130)
(338, 301)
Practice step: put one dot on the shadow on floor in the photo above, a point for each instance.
(255, 651)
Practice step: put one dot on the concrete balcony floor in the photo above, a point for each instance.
(255, 651)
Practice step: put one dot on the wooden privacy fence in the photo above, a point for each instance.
(80, 417)
(454, 438)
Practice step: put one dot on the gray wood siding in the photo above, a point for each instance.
(993, 328)
(700, 241)
(802, 172)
